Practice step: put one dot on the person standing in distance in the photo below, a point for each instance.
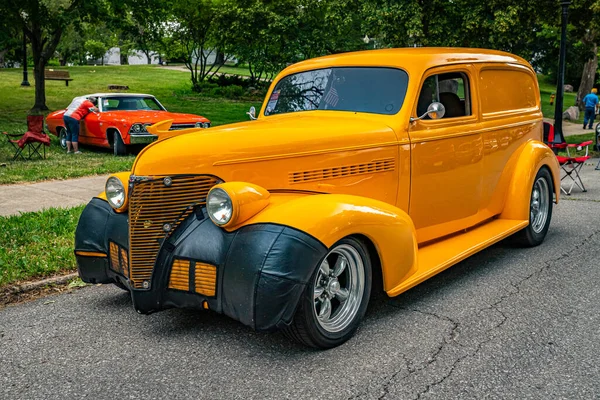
(77, 110)
(590, 101)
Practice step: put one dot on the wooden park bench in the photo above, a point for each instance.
(52, 75)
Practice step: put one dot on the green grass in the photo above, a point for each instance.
(548, 88)
(171, 87)
(37, 244)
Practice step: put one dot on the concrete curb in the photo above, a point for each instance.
(29, 286)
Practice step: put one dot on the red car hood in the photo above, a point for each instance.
(151, 116)
(132, 117)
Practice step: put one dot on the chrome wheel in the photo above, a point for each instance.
(338, 288)
(62, 138)
(539, 205)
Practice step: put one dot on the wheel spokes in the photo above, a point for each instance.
(324, 268)
(318, 292)
(340, 266)
(325, 311)
(342, 295)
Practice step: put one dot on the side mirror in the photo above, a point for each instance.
(252, 113)
(435, 110)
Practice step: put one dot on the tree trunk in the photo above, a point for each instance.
(587, 77)
(40, 87)
(123, 57)
(148, 56)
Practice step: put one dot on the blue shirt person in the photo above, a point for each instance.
(590, 101)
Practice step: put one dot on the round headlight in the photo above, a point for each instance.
(115, 192)
(137, 128)
(199, 125)
(219, 206)
(206, 124)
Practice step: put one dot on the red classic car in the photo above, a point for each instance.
(121, 120)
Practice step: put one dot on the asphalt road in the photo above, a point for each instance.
(506, 323)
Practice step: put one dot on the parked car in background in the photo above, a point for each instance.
(362, 172)
(121, 120)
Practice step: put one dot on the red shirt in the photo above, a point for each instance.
(84, 109)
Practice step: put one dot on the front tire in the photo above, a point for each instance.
(119, 148)
(336, 297)
(62, 138)
(540, 210)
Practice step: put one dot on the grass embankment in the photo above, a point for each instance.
(548, 88)
(171, 87)
(37, 244)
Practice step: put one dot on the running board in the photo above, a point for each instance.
(436, 257)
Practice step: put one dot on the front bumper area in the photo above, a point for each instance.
(142, 138)
(262, 270)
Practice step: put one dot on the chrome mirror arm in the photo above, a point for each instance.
(413, 119)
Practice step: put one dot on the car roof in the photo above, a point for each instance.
(118, 95)
(410, 58)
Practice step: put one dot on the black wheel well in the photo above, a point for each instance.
(377, 278)
(110, 135)
(555, 191)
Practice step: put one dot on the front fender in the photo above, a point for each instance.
(331, 217)
(534, 156)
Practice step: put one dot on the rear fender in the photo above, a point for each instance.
(331, 217)
(534, 156)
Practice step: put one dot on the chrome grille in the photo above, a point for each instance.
(157, 205)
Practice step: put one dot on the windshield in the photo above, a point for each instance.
(359, 89)
(130, 104)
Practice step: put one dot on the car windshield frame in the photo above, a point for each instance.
(329, 99)
(103, 109)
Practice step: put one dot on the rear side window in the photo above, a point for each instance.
(504, 90)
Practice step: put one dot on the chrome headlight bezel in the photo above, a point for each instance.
(206, 125)
(137, 128)
(115, 192)
(219, 206)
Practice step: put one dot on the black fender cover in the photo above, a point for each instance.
(262, 269)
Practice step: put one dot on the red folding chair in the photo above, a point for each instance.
(31, 142)
(570, 165)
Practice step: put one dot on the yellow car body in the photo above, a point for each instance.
(421, 194)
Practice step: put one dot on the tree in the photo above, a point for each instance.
(140, 25)
(269, 35)
(586, 30)
(71, 46)
(195, 29)
(44, 22)
(11, 43)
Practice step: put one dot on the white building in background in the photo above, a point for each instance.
(113, 57)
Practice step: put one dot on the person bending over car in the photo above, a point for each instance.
(77, 110)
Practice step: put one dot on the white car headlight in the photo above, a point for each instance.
(206, 124)
(219, 206)
(137, 128)
(199, 125)
(115, 192)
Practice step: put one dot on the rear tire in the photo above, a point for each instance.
(119, 147)
(540, 210)
(336, 297)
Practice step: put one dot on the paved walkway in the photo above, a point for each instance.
(37, 196)
(570, 129)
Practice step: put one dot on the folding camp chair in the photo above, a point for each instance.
(570, 165)
(31, 142)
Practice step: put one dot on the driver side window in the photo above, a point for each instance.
(450, 89)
